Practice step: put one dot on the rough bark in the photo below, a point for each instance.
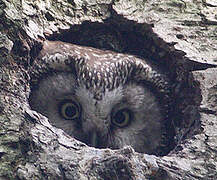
(178, 35)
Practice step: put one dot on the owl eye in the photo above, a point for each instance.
(122, 118)
(69, 110)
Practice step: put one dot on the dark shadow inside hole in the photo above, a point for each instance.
(122, 36)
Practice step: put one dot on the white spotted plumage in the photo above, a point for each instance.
(102, 84)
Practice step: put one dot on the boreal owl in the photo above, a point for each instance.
(102, 98)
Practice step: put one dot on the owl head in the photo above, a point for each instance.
(102, 98)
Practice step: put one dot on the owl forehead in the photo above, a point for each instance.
(103, 61)
(103, 75)
(98, 70)
(102, 68)
(64, 56)
(95, 68)
(96, 57)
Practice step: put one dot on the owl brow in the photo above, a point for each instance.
(66, 96)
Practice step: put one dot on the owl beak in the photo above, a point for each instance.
(96, 136)
(93, 139)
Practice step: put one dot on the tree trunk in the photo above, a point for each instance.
(179, 36)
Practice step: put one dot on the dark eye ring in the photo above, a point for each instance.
(69, 110)
(122, 118)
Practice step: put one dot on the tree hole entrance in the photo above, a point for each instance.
(127, 37)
